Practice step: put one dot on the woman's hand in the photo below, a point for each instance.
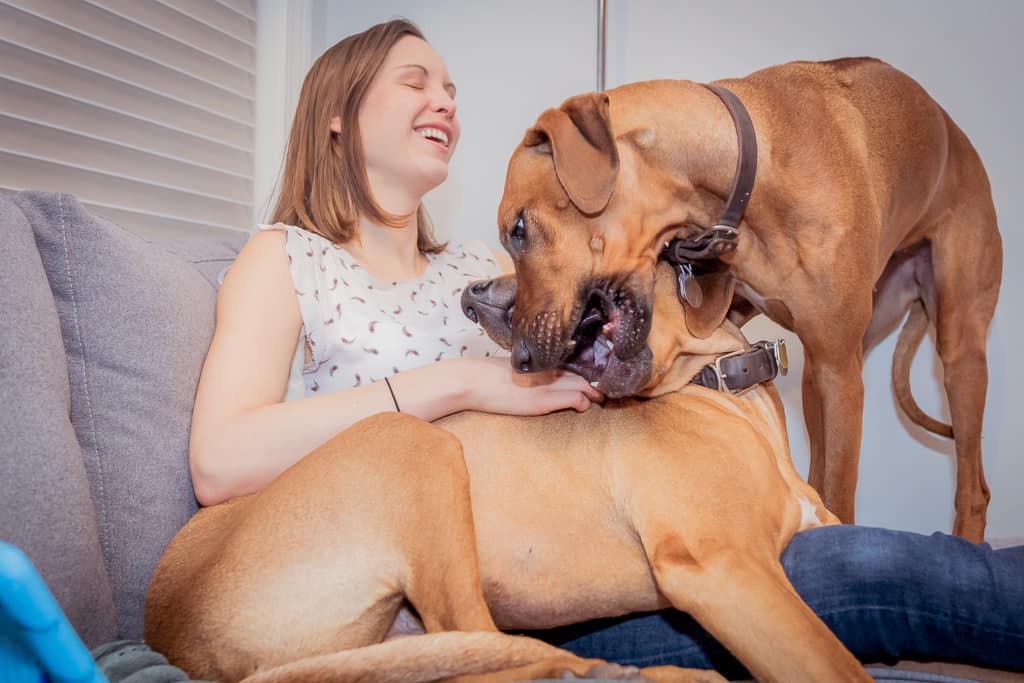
(493, 387)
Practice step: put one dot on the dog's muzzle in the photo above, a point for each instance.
(604, 340)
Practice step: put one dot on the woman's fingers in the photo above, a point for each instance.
(557, 380)
(582, 403)
(571, 380)
(536, 393)
(560, 400)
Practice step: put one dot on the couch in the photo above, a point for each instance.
(103, 338)
(102, 341)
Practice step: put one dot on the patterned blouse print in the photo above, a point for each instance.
(360, 330)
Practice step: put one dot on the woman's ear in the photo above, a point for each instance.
(335, 124)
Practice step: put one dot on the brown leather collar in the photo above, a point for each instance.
(720, 238)
(736, 373)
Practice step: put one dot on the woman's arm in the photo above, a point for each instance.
(243, 434)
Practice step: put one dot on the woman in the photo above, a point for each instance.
(348, 296)
(374, 130)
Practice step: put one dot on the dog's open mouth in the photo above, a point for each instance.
(608, 347)
(592, 345)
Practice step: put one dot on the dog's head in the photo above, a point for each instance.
(669, 358)
(592, 194)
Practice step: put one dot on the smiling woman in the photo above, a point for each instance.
(347, 286)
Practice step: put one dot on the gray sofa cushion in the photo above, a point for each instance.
(46, 507)
(136, 321)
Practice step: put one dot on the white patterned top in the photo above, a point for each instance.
(360, 330)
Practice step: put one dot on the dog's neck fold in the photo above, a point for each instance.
(689, 355)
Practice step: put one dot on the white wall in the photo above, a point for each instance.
(512, 60)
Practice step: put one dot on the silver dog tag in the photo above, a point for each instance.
(689, 288)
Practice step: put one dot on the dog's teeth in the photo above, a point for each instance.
(571, 344)
(595, 383)
(611, 345)
(606, 329)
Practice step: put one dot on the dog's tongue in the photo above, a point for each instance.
(602, 349)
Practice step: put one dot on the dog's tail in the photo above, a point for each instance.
(906, 346)
(410, 659)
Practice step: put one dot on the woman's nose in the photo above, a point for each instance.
(444, 104)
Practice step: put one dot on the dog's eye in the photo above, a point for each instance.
(518, 233)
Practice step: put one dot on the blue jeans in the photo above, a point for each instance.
(885, 594)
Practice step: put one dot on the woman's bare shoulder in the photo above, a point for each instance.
(264, 254)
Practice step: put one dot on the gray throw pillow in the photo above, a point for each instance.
(45, 503)
(136, 321)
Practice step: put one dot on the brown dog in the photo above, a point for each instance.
(686, 500)
(867, 199)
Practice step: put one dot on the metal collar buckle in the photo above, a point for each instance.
(722, 230)
(709, 244)
(722, 384)
(776, 348)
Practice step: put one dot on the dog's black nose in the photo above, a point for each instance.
(472, 295)
(521, 358)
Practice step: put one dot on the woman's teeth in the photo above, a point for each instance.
(434, 134)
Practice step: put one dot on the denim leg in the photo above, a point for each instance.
(652, 639)
(886, 594)
(891, 594)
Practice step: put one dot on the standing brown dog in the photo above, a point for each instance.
(867, 199)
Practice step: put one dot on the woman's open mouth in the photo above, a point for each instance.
(434, 135)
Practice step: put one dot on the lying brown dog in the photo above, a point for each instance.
(687, 499)
(867, 199)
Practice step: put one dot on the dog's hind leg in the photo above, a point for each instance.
(443, 581)
(378, 514)
(967, 268)
(414, 508)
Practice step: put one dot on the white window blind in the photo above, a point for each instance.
(143, 109)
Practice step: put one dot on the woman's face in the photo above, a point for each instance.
(407, 122)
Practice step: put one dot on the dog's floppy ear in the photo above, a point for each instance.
(579, 135)
(718, 288)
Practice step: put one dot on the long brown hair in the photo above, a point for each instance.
(324, 186)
